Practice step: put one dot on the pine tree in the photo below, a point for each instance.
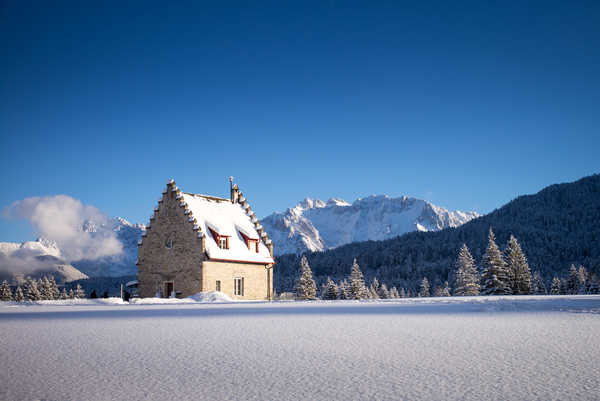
(555, 289)
(582, 279)
(518, 268)
(79, 293)
(467, 277)
(403, 293)
(495, 275)
(394, 293)
(31, 292)
(305, 286)
(357, 283)
(446, 290)
(424, 288)
(71, 294)
(63, 294)
(374, 288)
(572, 281)
(19, 294)
(438, 292)
(384, 293)
(54, 292)
(537, 284)
(344, 292)
(5, 292)
(44, 287)
(331, 291)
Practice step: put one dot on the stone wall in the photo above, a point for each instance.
(258, 280)
(181, 263)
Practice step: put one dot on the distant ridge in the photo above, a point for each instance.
(314, 225)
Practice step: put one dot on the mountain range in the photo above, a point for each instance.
(314, 225)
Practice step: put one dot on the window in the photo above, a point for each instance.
(238, 286)
(169, 243)
(252, 245)
(218, 285)
(223, 243)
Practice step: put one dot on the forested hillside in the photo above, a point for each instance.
(556, 227)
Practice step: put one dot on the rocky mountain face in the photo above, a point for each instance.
(314, 225)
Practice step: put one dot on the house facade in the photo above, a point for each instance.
(199, 243)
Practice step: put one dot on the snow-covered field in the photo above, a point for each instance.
(482, 348)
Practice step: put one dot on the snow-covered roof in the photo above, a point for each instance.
(226, 219)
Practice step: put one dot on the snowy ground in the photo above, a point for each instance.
(488, 348)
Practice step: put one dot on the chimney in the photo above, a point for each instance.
(234, 191)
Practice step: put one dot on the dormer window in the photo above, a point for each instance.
(221, 240)
(251, 243)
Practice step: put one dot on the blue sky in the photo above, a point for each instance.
(467, 105)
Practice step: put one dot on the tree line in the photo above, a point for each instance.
(504, 272)
(43, 289)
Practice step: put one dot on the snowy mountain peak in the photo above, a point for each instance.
(315, 225)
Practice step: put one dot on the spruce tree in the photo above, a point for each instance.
(439, 291)
(79, 293)
(446, 290)
(384, 293)
(71, 294)
(45, 290)
(357, 283)
(331, 290)
(305, 286)
(424, 288)
(374, 288)
(63, 294)
(538, 286)
(572, 281)
(5, 292)
(19, 294)
(394, 293)
(403, 293)
(495, 275)
(582, 279)
(54, 292)
(518, 268)
(555, 289)
(467, 277)
(344, 292)
(30, 290)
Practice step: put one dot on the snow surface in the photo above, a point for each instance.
(229, 219)
(480, 348)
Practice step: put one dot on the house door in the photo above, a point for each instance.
(168, 289)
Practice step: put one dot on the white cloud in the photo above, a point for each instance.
(60, 218)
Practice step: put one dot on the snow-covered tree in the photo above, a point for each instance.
(19, 294)
(31, 291)
(5, 292)
(394, 293)
(63, 294)
(538, 286)
(305, 286)
(374, 288)
(446, 290)
(403, 293)
(383, 293)
(467, 277)
(424, 288)
(495, 274)
(518, 268)
(44, 287)
(582, 280)
(555, 288)
(79, 293)
(594, 284)
(438, 292)
(71, 294)
(331, 291)
(344, 292)
(357, 283)
(572, 281)
(54, 292)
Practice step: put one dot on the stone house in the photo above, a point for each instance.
(198, 243)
